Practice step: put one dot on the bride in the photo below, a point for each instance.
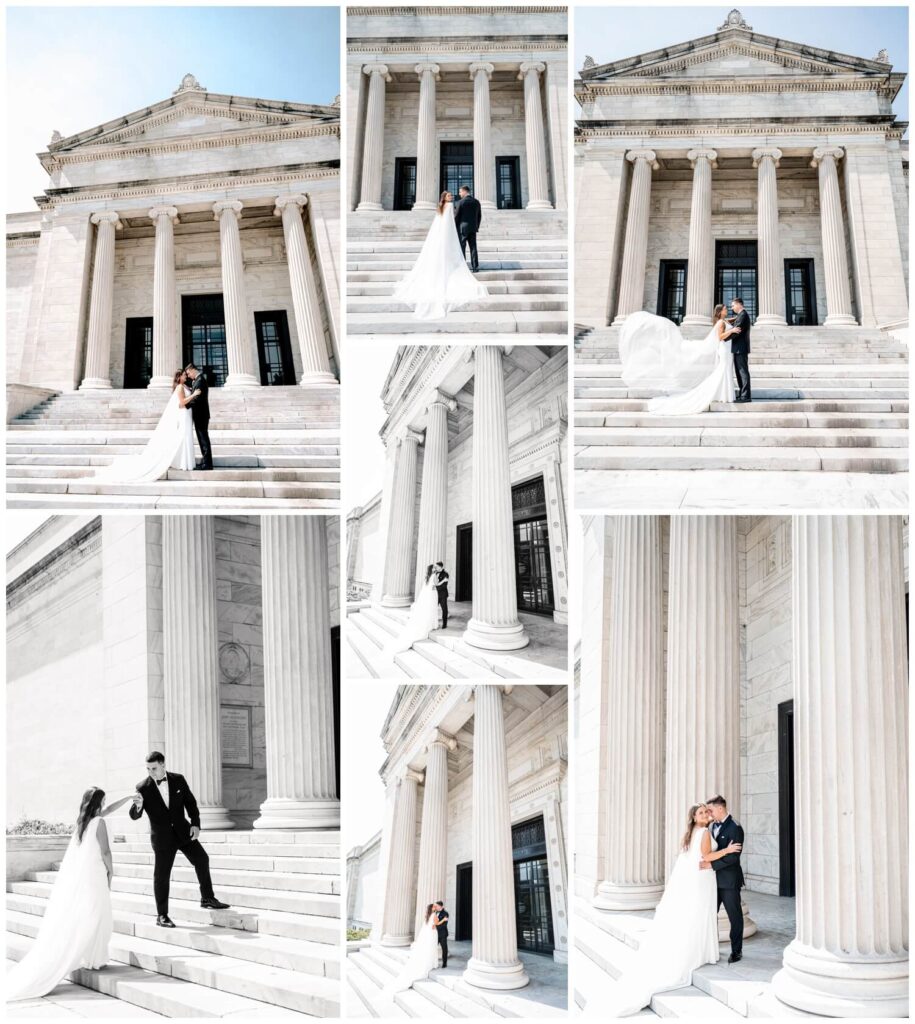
(423, 955)
(683, 934)
(171, 444)
(423, 617)
(693, 373)
(77, 924)
(440, 279)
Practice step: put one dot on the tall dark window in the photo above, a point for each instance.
(404, 182)
(138, 348)
(533, 914)
(508, 183)
(533, 571)
(786, 836)
(800, 292)
(735, 274)
(203, 322)
(456, 166)
(273, 349)
(672, 290)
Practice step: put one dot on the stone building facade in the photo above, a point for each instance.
(763, 658)
(740, 163)
(212, 638)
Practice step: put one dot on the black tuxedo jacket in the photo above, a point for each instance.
(468, 215)
(740, 343)
(728, 872)
(168, 826)
(442, 929)
(443, 589)
(200, 407)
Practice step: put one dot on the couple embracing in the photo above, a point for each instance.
(431, 601)
(423, 957)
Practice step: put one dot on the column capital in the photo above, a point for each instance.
(648, 155)
(694, 155)
(299, 199)
(442, 738)
(107, 217)
(440, 398)
(411, 775)
(412, 435)
(163, 211)
(481, 65)
(822, 153)
(425, 66)
(225, 205)
(536, 66)
(377, 69)
(763, 152)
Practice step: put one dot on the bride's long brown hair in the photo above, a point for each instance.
(428, 911)
(176, 380)
(690, 825)
(717, 314)
(441, 201)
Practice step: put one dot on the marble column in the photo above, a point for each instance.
(190, 661)
(298, 679)
(427, 162)
(771, 288)
(832, 228)
(494, 962)
(98, 336)
(305, 304)
(433, 498)
(849, 957)
(399, 883)
(494, 623)
(373, 138)
(433, 836)
(635, 874)
(483, 167)
(538, 189)
(703, 674)
(243, 372)
(167, 355)
(398, 563)
(635, 243)
(700, 270)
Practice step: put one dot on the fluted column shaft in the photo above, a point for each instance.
(98, 335)
(433, 836)
(305, 304)
(494, 624)
(399, 883)
(190, 665)
(373, 139)
(832, 228)
(635, 719)
(635, 244)
(770, 289)
(298, 680)
(700, 271)
(426, 148)
(494, 962)
(538, 189)
(433, 499)
(166, 354)
(850, 957)
(239, 344)
(483, 168)
(398, 564)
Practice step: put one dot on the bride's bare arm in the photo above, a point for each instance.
(718, 854)
(101, 834)
(117, 805)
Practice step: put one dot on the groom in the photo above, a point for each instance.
(441, 585)
(468, 215)
(169, 803)
(441, 926)
(740, 349)
(729, 874)
(200, 412)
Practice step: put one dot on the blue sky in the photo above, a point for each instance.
(70, 68)
(608, 33)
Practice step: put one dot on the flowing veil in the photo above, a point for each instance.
(77, 924)
(422, 620)
(422, 961)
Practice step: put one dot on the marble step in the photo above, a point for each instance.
(328, 494)
(459, 322)
(486, 276)
(401, 267)
(297, 882)
(69, 1001)
(367, 980)
(760, 407)
(851, 370)
(543, 302)
(193, 503)
(483, 245)
(23, 469)
(495, 288)
(843, 392)
(317, 463)
(749, 437)
(795, 420)
(263, 858)
(376, 226)
(683, 457)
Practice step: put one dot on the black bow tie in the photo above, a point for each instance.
(160, 781)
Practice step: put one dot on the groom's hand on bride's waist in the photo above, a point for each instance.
(195, 831)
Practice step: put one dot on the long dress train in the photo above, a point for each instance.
(422, 961)
(422, 620)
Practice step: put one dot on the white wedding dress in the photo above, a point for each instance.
(693, 374)
(422, 620)
(422, 961)
(682, 936)
(440, 279)
(77, 924)
(171, 445)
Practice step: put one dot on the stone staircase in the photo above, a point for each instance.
(442, 658)
(275, 953)
(824, 400)
(273, 448)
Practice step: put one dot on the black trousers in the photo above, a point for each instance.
(469, 237)
(202, 429)
(742, 372)
(731, 900)
(443, 604)
(443, 942)
(162, 872)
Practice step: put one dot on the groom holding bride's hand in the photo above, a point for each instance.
(729, 873)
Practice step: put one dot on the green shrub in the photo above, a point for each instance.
(357, 934)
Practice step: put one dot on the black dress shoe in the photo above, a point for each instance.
(164, 921)
(213, 904)
(735, 957)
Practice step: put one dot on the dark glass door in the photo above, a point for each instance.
(456, 166)
(672, 290)
(800, 293)
(463, 583)
(735, 274)
(533, 575)
(508, 182)
(138, 348)
(533, 911)
(463, 929)
(273, 349)
(404, 182)
(203, 323)
(786, 838)
(335, 682)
